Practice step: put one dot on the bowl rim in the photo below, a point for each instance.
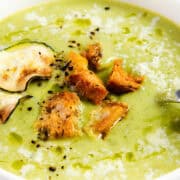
(170, 10)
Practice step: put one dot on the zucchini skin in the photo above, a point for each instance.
(28, 82)
(26, 41)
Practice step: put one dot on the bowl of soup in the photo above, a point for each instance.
(82, 85)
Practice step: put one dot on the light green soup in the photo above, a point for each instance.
(145, 144)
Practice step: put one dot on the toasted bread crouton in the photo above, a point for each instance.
(120, 82)
(85, 82)
(93, 55)
(59, 116)
(109, 114)
(88, 85)
(78, 62)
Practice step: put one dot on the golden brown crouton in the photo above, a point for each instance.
(108, 116)
(77, 61)
(59, 116)
(88, 85)
(120, 82)
(93, 54)
(85, 82)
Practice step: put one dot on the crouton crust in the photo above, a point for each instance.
(59, 116)
(120, 81)
(109, 115)
(93, 55)
(88, 85)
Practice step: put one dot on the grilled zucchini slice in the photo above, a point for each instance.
(22, 62)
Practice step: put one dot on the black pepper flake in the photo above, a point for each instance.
(70, 46)
(73, 41)
(63, 68)
(92, 33)
(52, 169)
(50, 92)
(66, 73)
(62, 167)
(78, 44)
(57, 76)
(66, 66)
(107, 8)
(70, 68)
(39, 53)
(29, 108)
(97, 29)
(51, 64)
(70, 148)
(33, 142)
(64, 157)
(38, 145)
(59, 60)
(61, 87)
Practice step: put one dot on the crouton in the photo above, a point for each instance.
(59, 116)
(78, 62)
(85, 82)
(93, 55)
(120, 81)
(88, 85)
(109, 114)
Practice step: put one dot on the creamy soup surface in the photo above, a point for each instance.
(145, 144)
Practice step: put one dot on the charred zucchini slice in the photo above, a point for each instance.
(8, 103)
(20, 63)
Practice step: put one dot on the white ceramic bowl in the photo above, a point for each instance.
(168, 8)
